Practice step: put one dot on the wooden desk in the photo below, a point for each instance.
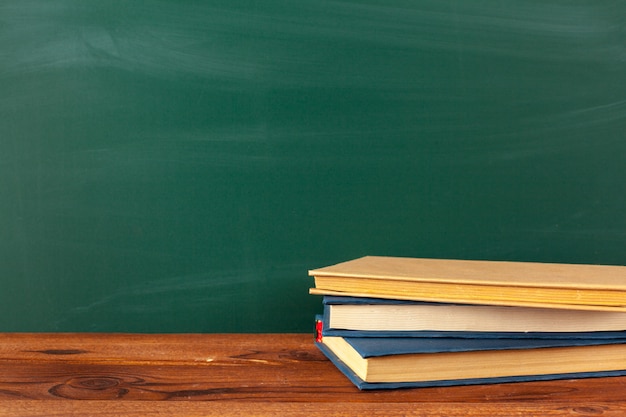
(246, 375)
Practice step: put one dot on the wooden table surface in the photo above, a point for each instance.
(247, 375)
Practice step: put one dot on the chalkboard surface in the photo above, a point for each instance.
(179, 166)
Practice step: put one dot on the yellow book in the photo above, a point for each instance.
(526, 284)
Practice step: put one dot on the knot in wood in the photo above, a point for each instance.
(91, 388)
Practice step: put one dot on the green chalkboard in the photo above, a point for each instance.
(179, 166)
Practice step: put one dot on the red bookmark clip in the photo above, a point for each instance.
(318, 330)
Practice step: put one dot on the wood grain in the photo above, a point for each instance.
(246, 374)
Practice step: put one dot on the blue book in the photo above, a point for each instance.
(374, 317)
(379, 363)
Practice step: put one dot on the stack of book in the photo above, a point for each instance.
(407, 322)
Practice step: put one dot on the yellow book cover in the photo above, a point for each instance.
(532, 284)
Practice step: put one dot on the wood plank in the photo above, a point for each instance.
(254, 374)
(297, 409)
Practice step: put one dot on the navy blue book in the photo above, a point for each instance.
(373, 317)
(377, 363)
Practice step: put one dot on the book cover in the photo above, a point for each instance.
(425, 362)
(551, 285)
(375, 317)
(363, 385)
